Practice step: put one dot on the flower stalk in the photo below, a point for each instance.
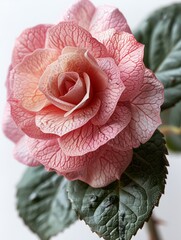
(154, 233)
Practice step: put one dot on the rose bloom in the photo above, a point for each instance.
(79, 96)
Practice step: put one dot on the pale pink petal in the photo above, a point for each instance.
(52, 119)
(101, 167)
(30, 40)
(25, 78)
(84, 67)
(128, 54)
(11, 130)
(145, 109)
(47, 152)
(107, 17)
(81, 13)
(23, 154)
(25, 120)
(69, 34)
(110, 96)
(98, 168)
(90, 137)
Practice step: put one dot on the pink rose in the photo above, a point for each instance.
(79, 96)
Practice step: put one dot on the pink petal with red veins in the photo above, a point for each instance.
(23, 154)
(53, 120)
(128, 54)
(89, 137)
(25, 120)
(110, 96)
(107, 17)
(30, 40)
(69, 34)
(47, 152)
(145, 109)
(98, 168)
(81, 13)
(101, 167)
(11, 130)
(25, 78)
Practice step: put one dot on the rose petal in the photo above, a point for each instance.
(128, 54)
(145, 109)
(107, 17)
(11, 130)
(53, 120)
(80, 62)
(98, 168)
(30, 40)
(26, 121)
(47, 152)
(23, 154)
(25, 78)
(81, 13)
(101, 167)
(76, 92)
(69, 34)
(90, 137)
(110, 96)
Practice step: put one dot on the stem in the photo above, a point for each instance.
(168, 129)
(153, 230)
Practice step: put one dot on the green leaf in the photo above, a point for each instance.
(43, 204)
(161, 34)
(117, 211)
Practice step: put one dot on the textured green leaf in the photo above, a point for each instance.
(43, 204)
(161, 34)
(117, 211)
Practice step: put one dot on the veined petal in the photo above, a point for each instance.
(81, 13)
(11, 130)
(23, 153)
(25, 120)
(145, 109)
(98, 168)
(128, 55)
(110, 96)
(89, 137)
(101, 167)
(53, 120)
(25, 78)
(69, 34)
(107, 17)
(30, 40)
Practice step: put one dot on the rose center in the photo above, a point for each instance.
(65, 83)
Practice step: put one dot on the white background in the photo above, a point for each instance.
(16, 15)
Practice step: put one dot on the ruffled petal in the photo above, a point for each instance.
(30, 40)
(108, 17)
(89, 137)
(81, 13)
(23, 154)
(101, 167)
(11, 130)
(110, 96)
(25, 120)
(69, 34)
(145, 109)
(47, 152)
(128, 55)
(52, 119)
(25, 78)
(98, 168)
